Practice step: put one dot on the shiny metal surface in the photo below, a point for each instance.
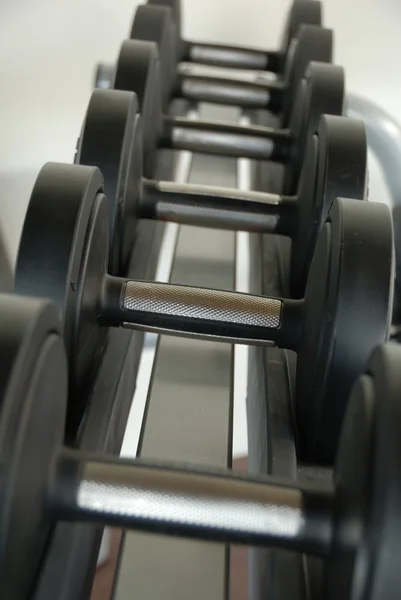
(241, 341)
(219, 192)
(219, 218)
(210, 206)
(217, 142)
(174, 501)
(201, 304)
(230, 93)
(223, 56)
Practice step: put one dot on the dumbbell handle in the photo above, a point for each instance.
(230, 92)
(172, 500)
(184, 311)
(219, 55)
(253, 142)
(219, 207)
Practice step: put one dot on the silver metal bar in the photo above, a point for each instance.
(384, 139)
(209, 206)
(231, 93)
(226, 56)
(221, 143)
(210, 505)
(200, 304)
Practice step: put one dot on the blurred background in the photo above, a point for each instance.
(49, 49)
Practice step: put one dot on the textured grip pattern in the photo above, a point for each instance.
(202, 304)
(131, 494)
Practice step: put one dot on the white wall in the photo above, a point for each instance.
(48, 49)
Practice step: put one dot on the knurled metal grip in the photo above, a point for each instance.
(202, 304)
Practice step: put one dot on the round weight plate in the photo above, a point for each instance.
(378, 552)
(106, 142)
(342, 171)
(352, 497)
(323, 95)
(312, 44)
(138, 70)
(50, 259)
(176, 7)
(33, 399)
(354, 319)
(155, 24)
(302, 12)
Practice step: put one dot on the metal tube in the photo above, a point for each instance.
(229, 56)
(179, 310)
(207, 206)
(226, 91)
(258, 143)
(167, 499)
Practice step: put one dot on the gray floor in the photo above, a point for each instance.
(188, 419)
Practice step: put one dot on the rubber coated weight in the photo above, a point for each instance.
(51, 262)
(350, 279)
(353, 526)
(301, 12)
(345, 316)
(367, 478)
(106, 141)
(154, 23)
(321, 91)
(335, 164)
(311, 44)
(33, 389)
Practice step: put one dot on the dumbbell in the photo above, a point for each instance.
(63, 256)
(312, 44)
(352, 524)
(302, 12)
(321, 91)
(335, 165)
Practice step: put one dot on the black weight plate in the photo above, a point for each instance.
(355, 318)
(50, 258)
(302, 12)
(138, 70)
(312, 44)
(33, 394)
(155, 24)
(106, 142)
(340, 169)
(352, 496)
(321, 92)
(176, 8)
(379, 552)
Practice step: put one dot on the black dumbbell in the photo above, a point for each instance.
(321, 91)
(302, 12)
(155, 24)
(335, 165)
(63, 255)
(352, 524)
